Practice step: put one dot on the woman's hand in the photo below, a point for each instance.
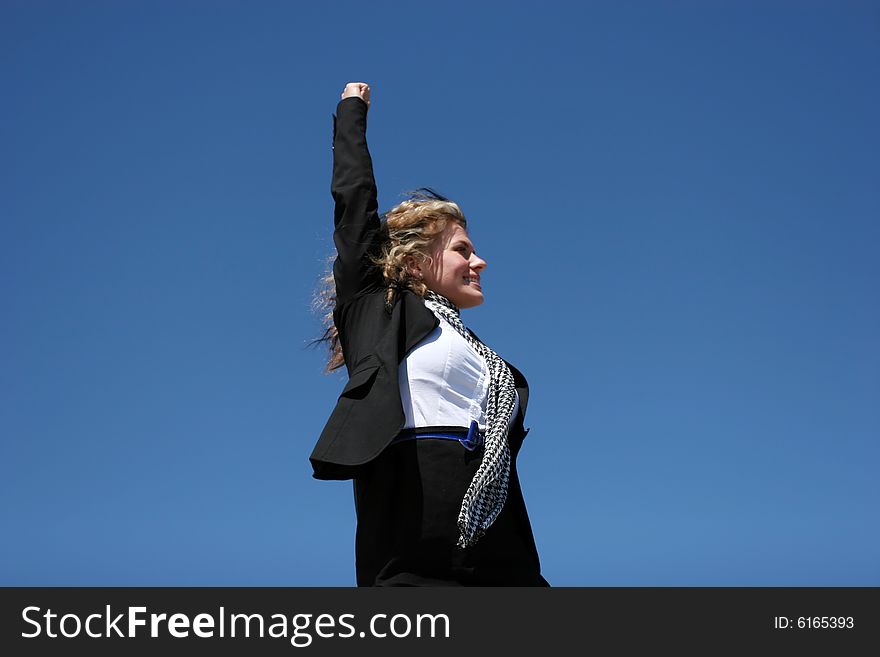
(359, 89)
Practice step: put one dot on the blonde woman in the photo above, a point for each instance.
(431, 420)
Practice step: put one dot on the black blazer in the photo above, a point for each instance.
(374, 338)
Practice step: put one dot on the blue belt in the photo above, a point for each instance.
(471, 438)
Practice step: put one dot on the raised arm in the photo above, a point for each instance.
(357, 233)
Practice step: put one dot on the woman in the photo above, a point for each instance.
(431, 419)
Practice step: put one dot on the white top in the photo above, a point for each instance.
(444, 382)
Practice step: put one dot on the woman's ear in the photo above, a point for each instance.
(413, 267)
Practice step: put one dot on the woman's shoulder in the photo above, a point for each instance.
(378, 300)
(401, 306)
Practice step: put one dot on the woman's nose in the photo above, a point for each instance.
(477, 262)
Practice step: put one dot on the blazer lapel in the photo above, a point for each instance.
(418, 318)
(410, 322)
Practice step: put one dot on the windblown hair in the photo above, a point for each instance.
(410, 229)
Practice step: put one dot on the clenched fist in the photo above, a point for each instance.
(359, 89)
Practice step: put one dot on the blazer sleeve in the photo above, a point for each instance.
(357, 229)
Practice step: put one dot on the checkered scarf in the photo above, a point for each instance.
(487, 492)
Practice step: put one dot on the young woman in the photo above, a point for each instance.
(431, 420)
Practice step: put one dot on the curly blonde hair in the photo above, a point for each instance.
(411, 229)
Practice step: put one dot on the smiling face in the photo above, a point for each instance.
(454, 269)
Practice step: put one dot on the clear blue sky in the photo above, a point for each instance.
(678, 202)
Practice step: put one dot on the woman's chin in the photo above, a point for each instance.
(470, 298)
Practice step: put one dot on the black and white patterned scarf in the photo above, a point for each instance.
(487, 492)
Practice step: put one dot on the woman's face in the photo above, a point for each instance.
(454, 269)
